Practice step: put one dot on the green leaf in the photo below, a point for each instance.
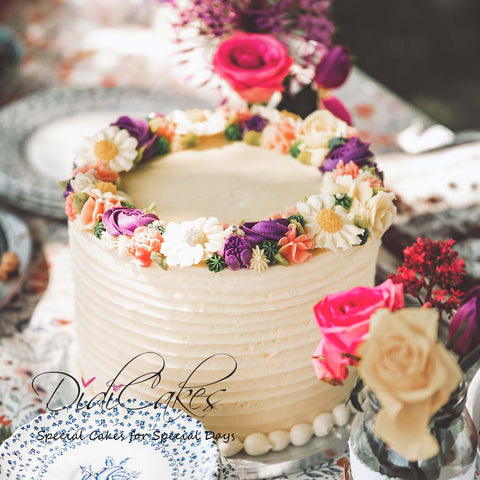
(159, 260)
(216, 263)
(99, 229)
(281, 260)
(161, 145)
(79, 200)
(63, 184)
(298, 218)
(336, 142)
(270, 250)
(190, 140)
(343, 200)
(127, 204)
(253, 138)
(295, 149)
(234, 132)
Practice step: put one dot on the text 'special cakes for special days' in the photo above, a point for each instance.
(205, 238)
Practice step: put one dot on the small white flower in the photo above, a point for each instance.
(353, 187)
(112, 146)
(259, 261)
(271, 114)
(197, 121)
(329, 225)
(83, 181)
(109, 242)
(189, 242)
(233, 230)
(123, 245)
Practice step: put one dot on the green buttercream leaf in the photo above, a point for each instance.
(98, 229)
(118, 183)
(295, 149)
(234, 132)
(364, 237)
(161, 145)
(79, 200)
(281, 260)
(336, 142)
(160, 228)
(155, 257)
(63, 184)
(359, 222)
(5, 432)
(378, 189)
(298, 226)
(270, 250)
(253, 138)
(305, 157)
(343, 200)
(190, 140)
(371, 170)
(298, 218)
(127, 204)
(216, 263)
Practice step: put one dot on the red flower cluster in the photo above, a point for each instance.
(4, 421)
(432, 269)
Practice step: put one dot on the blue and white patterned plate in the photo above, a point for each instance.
(116, 444)
(40, 133)
(228, 472)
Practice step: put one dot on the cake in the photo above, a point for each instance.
(207, 238)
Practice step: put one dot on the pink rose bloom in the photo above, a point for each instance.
(296, 249)
(344, 320)
(254, 65)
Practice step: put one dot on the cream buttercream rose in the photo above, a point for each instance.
(412, 375)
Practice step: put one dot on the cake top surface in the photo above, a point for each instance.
(242, 189)
(230, 181)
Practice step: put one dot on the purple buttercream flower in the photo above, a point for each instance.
(123, 220)
(237, 252)
(256, 123)
(68, 189)
(468, 314)
(257, 232)
(139, 129)
(353, 150)
(334, 68)
(338, 109)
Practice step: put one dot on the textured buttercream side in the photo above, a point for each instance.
(264, 320)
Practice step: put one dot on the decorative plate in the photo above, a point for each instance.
(14, 236)
(40, 133)
(120, 444)
(228, 472)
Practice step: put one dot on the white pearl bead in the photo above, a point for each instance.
(279, 439)
(256, 444)
(228, 449)
(323, 424)
(300, 434)
(341, 415)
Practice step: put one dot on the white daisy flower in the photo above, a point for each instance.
(197, 121)
(83, 181)
(329, 225)
(259, 261)
(189, 242)
(112, 146)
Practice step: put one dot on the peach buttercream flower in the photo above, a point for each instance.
(281, 136)
(70, 209)
(412, 375)
(145, 240)
(161, 126)
(94, 208)
(296, 249)
(351, 168)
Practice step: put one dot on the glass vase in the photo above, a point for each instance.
(372, 459)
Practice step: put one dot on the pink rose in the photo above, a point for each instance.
(254, 65)
(344, 320)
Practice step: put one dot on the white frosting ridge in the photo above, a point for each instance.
(264, 320)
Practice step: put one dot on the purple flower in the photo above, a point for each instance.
(468, 314)
(139, 129)
(256, 123)
(352, 151)
(334, 68)
(257, 232)
(123, 220)
(237, 252)
(68, 189)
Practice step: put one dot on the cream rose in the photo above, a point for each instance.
(380, 212)
(319, 127)
(412, 375)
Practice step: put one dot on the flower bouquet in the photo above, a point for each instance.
(260, 48)
(412, 423)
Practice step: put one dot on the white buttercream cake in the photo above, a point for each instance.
(205, 234)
